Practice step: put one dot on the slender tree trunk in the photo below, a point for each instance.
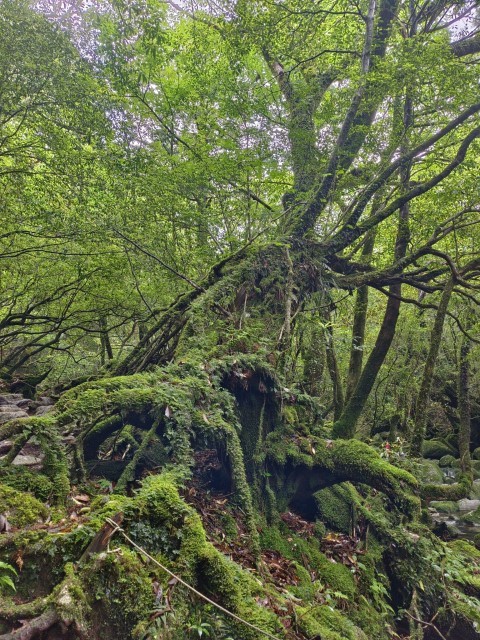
(419, 428)
(344, 427)
(359, 324)
(105, 342)
(332, 365)
(314, 358)
(464, 408)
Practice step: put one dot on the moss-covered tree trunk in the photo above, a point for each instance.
(419, 428)
(359, 324)
(332, 365)
(464, 407)
(344, 427)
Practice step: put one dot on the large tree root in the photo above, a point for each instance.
(34, 627)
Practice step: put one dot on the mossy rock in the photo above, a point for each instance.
(447, 461)
(476, 454)
(436, 449)
(446, 506)
(327, 624)
(334, 508)
(472, 517)
(475, 490)
(428, 472)
(120, 594)
(23, 479)
(22, 508)
(476, 541)
(465, 549)
(476, 469)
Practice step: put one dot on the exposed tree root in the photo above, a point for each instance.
(34, 627)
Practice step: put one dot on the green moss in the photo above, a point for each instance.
(328, 624)
(436, 449)
(465, 549)
(22, 508)
(456, 491)
(119, 592)
(332, 574)
(229, 525)
(219, 578)
(223, 579)
(22, 479)
(358, 462)
(334, 508)
(447, 506)
(447, 461)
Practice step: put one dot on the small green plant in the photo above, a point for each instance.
(6, 581)
(200, 630)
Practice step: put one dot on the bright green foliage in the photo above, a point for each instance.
(6, 582)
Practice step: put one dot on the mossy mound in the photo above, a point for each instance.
(326, 623)
(473, 517)
(447, 461)
(23, 509)
(334, 508)
(444, 506)
(23, 479)
(436, 449)
(427, 472)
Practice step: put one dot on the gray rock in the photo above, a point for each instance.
(468, 505)
(5, 446)
(11, 413)
(42, 410)
(10, 398)
(27, 461)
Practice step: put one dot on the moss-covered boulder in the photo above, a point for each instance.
(473, 517)
(24, 479)
(446, 506)
(328, 624)
(436, 449)
(475, 490)
(476, 454)
(427, 472)
(22, 508)
(447, 461)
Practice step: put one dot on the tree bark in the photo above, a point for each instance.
(333, 368)
(464, 407)
(419, 428)
(359, 323)
(344, 427)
